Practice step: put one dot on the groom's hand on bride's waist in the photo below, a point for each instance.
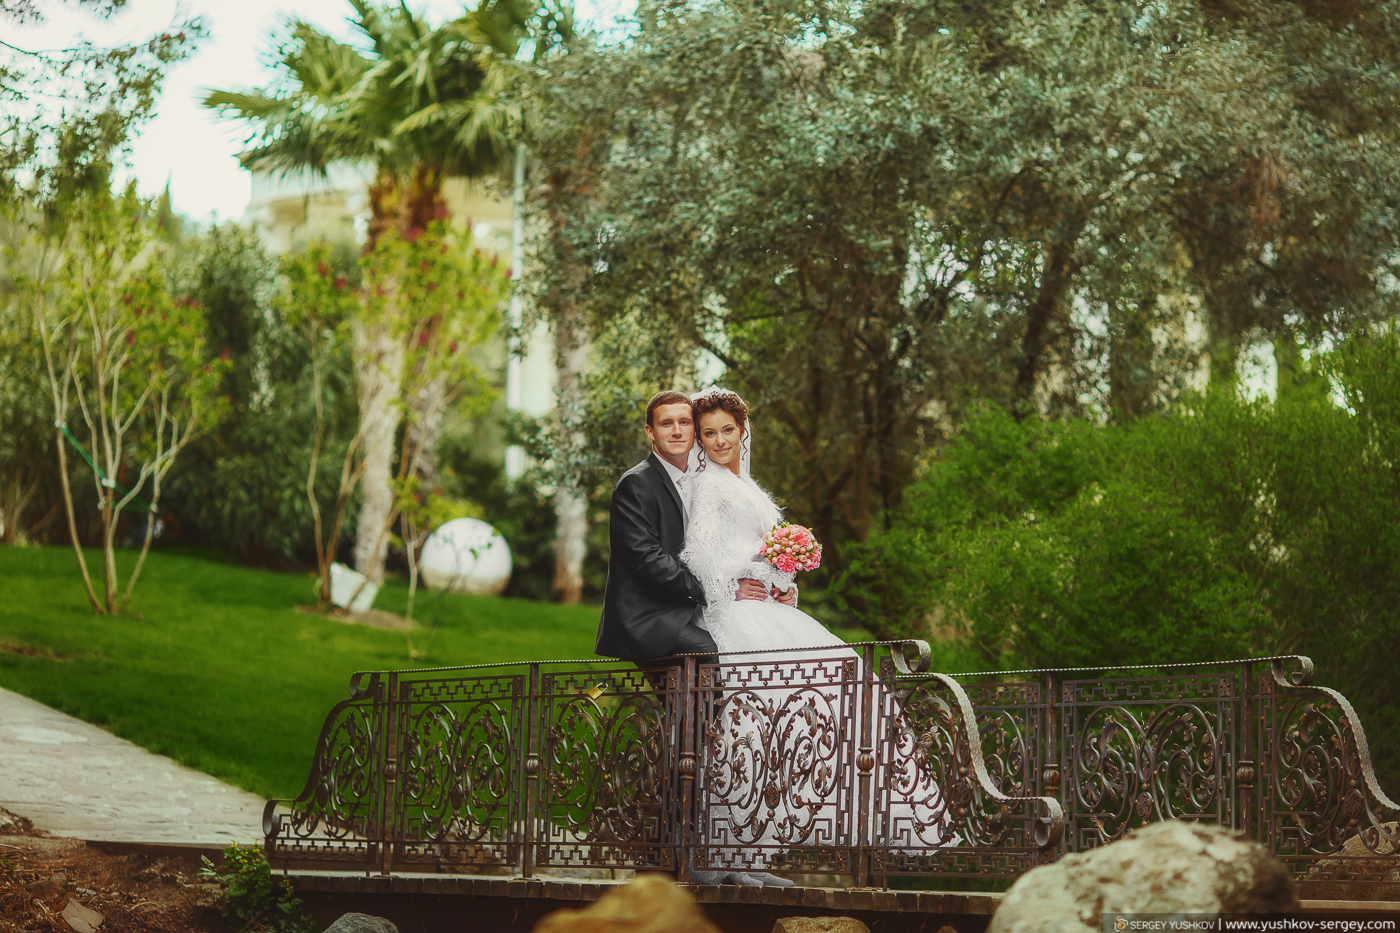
(787, 599)
(751, 589)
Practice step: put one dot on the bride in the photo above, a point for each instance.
(780, 739)
(729, 515)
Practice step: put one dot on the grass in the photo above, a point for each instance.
(214, 666)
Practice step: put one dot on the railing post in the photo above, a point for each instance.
(689, 707)
(865, 766)
(388, 813)
(1054, 761)
(1246, 771)
(531, 747)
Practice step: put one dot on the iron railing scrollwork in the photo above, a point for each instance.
(1320, 803)
(855, 760)
(776, 757)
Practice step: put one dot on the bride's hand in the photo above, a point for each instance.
(787, 599)
(751, 589)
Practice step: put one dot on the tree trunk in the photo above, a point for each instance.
(428, 405)
(570, 544)
(570, 503)
(379, 358)
(1222, 349)
(109, 548)
(73, 521)
(1224, 362)
(1298, 380)
(1042, 317)
(1131, 381)
(17, 499)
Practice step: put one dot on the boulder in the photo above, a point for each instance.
(650, 904)
(361, 923)
(1337, 878)
(1166, 868)
(820, 925)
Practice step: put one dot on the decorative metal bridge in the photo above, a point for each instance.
(855, 761)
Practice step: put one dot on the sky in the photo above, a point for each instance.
(184, 143)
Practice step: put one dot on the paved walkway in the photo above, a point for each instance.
(72, 779)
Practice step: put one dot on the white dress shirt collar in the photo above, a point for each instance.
(675, 473)
(678, 478)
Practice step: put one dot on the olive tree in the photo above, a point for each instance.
(872, 215)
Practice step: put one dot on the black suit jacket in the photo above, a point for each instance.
(650, 595)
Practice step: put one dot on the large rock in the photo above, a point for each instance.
(651, 904)
(1165, 868)
(361, 923)
(820, 925)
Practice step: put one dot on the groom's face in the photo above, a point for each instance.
(672, 430)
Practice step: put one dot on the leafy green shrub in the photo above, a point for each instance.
(256, 899)
(1225, 528)
(243, 487)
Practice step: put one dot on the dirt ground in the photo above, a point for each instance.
(40, 874)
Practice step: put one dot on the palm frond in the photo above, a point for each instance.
(422, 95)
(408, 18)
(247, 105)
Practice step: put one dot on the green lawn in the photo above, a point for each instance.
(214, 666)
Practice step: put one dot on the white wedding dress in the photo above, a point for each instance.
(777, 782)
(729, 515)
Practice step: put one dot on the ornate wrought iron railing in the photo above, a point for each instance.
(850, 760)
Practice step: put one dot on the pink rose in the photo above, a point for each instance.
(785, 563)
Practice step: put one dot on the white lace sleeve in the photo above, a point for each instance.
(719, 551)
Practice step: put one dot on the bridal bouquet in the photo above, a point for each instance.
(791, 548)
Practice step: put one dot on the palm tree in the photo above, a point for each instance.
(420, 105)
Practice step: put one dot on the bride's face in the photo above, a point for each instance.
(720, 435)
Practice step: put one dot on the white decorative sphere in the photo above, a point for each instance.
(466, 555)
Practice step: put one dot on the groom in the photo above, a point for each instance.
(652, 604)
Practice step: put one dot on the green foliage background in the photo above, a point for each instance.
(1223, 529)
(872, 217)
(257, 459)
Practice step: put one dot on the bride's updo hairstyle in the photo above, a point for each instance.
(719, 400)
(723, 400)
